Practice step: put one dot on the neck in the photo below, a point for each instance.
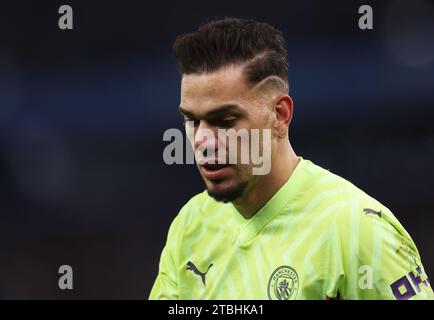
(263, 189)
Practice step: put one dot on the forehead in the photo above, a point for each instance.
(200, 92)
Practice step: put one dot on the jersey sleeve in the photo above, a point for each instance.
(380, 259)
(166, 284)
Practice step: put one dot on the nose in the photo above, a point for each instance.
(206, 140)
(205, 136)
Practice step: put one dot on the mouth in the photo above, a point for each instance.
(215, 171)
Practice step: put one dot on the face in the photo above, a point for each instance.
(223, 100)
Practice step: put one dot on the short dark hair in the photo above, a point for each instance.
(231, 41)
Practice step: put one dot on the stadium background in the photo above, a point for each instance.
(82, 115)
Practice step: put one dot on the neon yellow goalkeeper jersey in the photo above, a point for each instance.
(318, 237)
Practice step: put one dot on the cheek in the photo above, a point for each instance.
(268, 119)
(263, 118)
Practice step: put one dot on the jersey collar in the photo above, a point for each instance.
(251, 227)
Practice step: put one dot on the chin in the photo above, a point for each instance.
(228, 193)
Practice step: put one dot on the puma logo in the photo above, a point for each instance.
(194, 269)
(370, 211)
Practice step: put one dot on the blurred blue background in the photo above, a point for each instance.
(82, 116)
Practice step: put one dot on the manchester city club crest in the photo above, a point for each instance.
(283, 284)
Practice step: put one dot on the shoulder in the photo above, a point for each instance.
(355, 213)
(365, 227)
(325, 191)
(327, 185)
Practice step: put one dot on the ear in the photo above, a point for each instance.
(284, 109)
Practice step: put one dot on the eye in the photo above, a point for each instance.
(225, 122)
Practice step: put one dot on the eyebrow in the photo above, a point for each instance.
(223, 109)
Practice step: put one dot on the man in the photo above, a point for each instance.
(298, 232)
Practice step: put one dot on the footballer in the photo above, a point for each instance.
(297, 232)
